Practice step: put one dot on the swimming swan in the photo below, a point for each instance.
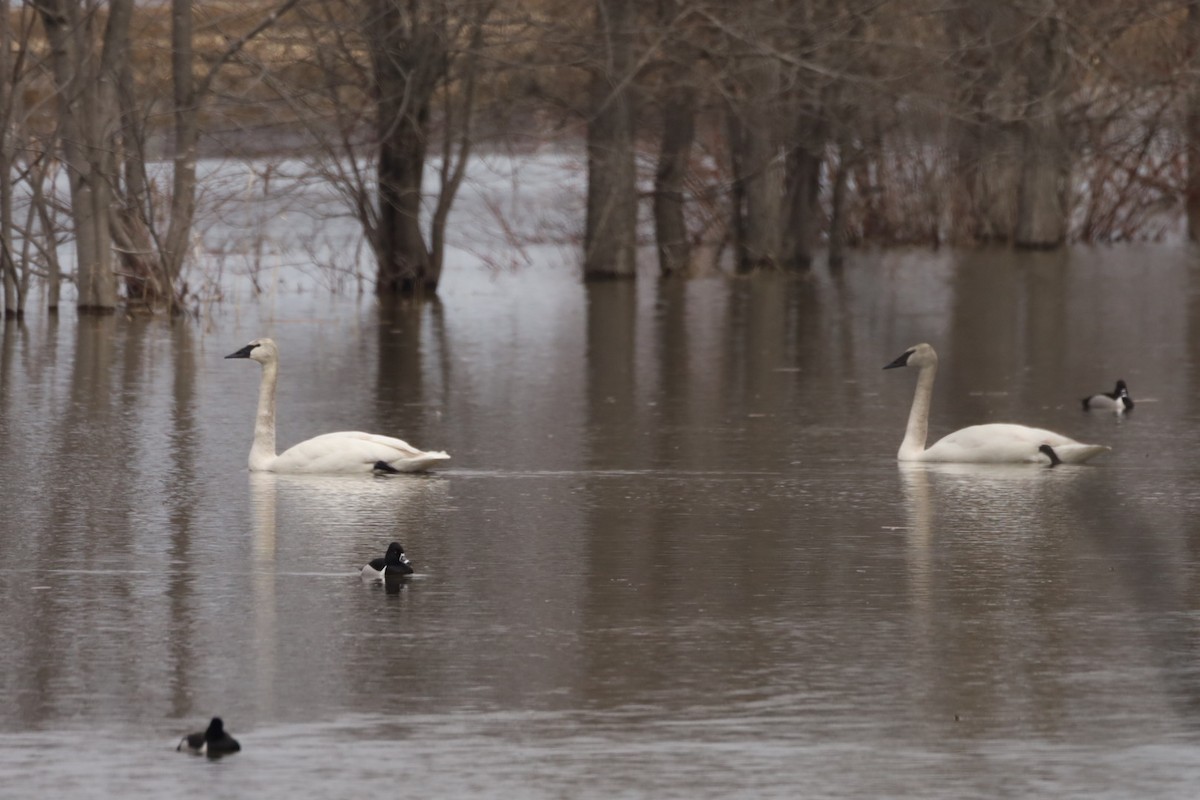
(342, 452)
(1118, 400)
(996, 443)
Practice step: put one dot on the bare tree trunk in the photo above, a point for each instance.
(408, 52)
(764, 180)
(610, 236)
(87, 85)
(1192, 190)
(187, 96)
(457, 137)
(837, 204)
(404, 260)
(754, 141)
(1045, 159)
(187, 127)
(14, 301)
(141, 266)
(41, 175)
(674, 158)
(987, 158)
(735, 132)
(802, 190)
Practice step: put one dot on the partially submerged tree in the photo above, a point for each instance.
(388, 86)
(189, 96)
(610, 234)
(805, 122)
(676, 136)
(1192, 121)
(86, 77)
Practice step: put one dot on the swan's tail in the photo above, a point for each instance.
(421, 463)
(1079, 453)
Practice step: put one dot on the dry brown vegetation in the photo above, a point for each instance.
(771, 129)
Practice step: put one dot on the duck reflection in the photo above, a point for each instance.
(339, 504)
(394, 584)
(306, 520)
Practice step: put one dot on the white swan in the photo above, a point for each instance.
(342, 452)
(996, 443)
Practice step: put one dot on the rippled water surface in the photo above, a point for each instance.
(673, 555)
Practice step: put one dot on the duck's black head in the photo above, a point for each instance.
(216, 729)
(396, 560)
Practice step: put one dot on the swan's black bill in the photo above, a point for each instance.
(902, 361)
(243, 353)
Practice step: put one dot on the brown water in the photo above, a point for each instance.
(674, 555)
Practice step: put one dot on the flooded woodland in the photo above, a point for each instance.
(638, 271)
(673, 553)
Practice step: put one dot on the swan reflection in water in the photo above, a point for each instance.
(337, 513)
(978, 507)
(326, 519)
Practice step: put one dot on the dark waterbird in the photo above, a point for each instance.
(394, 564)
(1117, 400)
(212, 742)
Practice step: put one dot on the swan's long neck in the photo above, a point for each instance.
(262, 453)
(918, 417)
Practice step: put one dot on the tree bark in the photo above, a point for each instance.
(187, 95)
(754, 142)
(802, 190)
(610, 235)
(408, 53)
(837, 204)
(183, 173)
(87, 90)
(1045, 159)
(129, 217)
(984, 201)
(1192, 190)
(674, 158)
(14, 300)
(457, 136)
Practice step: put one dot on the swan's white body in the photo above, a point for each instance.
(995, 443)
(332, 453)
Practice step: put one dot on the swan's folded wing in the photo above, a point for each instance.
(1000, 443)
(354, 451)
(1078, 453)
